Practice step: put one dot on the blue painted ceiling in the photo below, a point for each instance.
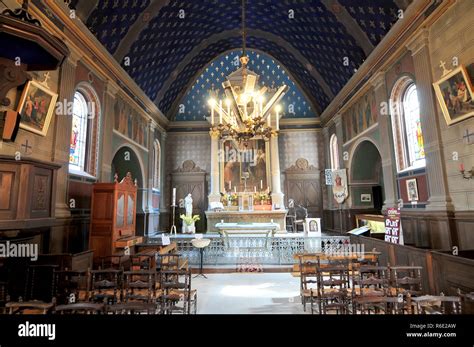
(169, 51)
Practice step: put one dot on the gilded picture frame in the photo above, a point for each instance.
(412, 190)
(454, 92)
(36, 107)
(259, 170)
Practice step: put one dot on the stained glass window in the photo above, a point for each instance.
(415, 152)
(77, 152)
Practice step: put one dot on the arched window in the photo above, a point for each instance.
(78, 146)
(85, 129)
(156, 165)
(412, 122)
(406, 125)
(334, 152)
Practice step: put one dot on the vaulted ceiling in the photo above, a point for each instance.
(168, 43)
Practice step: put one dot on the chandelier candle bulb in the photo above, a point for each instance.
(220, 112)
(174, 197)
(228, 107)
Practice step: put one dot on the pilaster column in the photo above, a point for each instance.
(340, 140)
(164, 196)
(327, 203)
(108, 117)
(386, 142)
(435, 168)
(62, 133)
(151, 165)
(215, 195)
(277, 195)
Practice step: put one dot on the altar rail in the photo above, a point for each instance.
(277, 250)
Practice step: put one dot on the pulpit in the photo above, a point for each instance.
(113, 218)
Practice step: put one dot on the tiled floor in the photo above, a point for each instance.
(247, 293)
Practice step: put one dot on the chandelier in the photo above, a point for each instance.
(246, 112)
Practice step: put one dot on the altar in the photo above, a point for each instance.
(242, 218)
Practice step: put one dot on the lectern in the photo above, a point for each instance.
(113, 218)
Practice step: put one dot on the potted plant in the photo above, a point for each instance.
(188, 223)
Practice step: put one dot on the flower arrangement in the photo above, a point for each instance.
(190, 220)
(262, 197)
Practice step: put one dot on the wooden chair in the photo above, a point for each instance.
(406, 280)
(29, 307)
(40, 283)
(139, 285)
(176, 292)
(133, 308)
(71, 286)
(308, 264)
(333, 288)
(429, 304)
(80, 308)
(368, 282)
(467, 302)
(105, 286)
(143, 261)
(110, 262)
(380, 304)
(4, 297)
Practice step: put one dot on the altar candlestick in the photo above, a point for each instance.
(174, 197)
(269, 120)
(235, 189)
(255, 189)
(261, 184)
(230, 185)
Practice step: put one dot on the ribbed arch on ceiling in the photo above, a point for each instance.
(319, 30)
(193, 105)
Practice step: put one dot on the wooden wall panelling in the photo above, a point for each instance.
(442, 272)
(9, 185)
(303, 185)
(27, 196)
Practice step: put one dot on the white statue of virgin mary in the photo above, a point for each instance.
(188, 204)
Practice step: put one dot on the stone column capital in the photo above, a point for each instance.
(74, 56)
(337, 119)
(111, 88)
(153, 126)
(419, 41)
(378, 79)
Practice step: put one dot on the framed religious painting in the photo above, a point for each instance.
(244, 168)
(412, 190)
(455, 95)
(36, 107)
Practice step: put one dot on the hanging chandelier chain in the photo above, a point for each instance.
(244, 30)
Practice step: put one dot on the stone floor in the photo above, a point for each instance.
(247, 293)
